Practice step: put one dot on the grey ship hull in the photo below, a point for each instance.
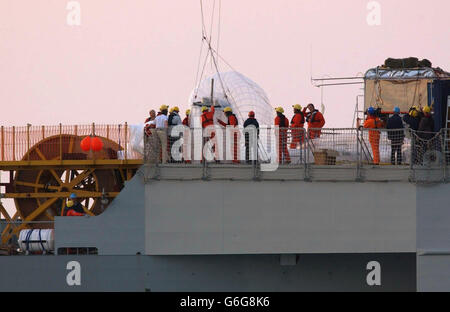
(240, 273)
(280, 233)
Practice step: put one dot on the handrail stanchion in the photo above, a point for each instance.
(358, 155)
(126, 144)
(412, 154)
(307, 175)
(3, 143)
(28, 141)
(14, 143)
(443, 135)
(60, 142)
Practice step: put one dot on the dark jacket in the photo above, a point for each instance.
(426, 128)
(78, 208)
(412, 122)
(251, 122)
(395, 122)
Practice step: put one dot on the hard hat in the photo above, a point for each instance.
(371, 111)
(297, 106)
(73, 195)
(171, 110)
(188, 112)
(69, 203)
(204, 109)
(163, 107)
(227, 110)
(251, 114)
(279, 110)
(397, 110)
(176, 109)
(413, 113)
(426, 109)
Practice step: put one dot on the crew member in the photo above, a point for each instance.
(161, 122)
(283, 123)
(186, 120)
(232, 122)
(251, 122)
(426, 132)
(315, 120)
(187, 123)
(373, 122)
(297, 127)
(150, 122)
(152, 116)
(396, 135)
(173, 120)
(73, 207)
(207, 119)
(412, 119)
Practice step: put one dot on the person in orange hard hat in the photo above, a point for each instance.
(315, 120)
(251, 122)
(283, 123)
(233, 122)
(373, 122)
(297, 127)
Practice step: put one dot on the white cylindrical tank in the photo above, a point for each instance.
(37, 240)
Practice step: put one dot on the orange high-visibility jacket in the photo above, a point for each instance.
(315, 120)
(282, 122)
(373, 122)
(232, 121)
(186, 121)
(208, 118)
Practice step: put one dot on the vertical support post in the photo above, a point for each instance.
(43, 132)
(412, 154)
(76, 130)
(14, 142)
(93, 129)
(60, 141)
(107, 132)
(126, 140)
(28, 141)
(307, 175)
(358, 154)
(212, 92)
(3, 143)
(443, 135)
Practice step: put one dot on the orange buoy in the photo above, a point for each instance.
(96, 144)
(85, 144)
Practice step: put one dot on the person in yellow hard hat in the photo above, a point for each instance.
(426, 125)
(186, 121)
(173, 120)
(426, 133)
(297, 127)
(207, 119)
(283, 123)
(161, 124)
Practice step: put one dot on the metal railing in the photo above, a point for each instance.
(57, 142)
(415, 156)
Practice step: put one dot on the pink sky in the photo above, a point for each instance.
(130, 56)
